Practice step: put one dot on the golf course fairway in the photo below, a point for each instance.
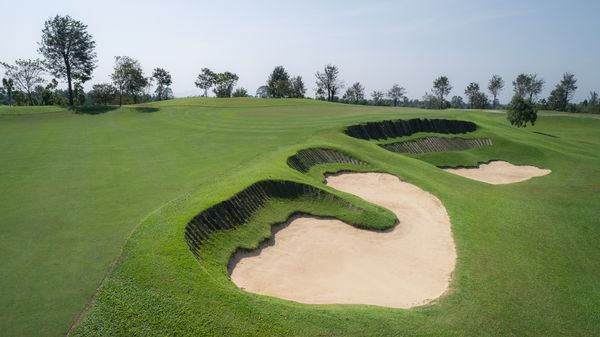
(124, 222)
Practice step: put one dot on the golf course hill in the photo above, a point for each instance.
(297, 217)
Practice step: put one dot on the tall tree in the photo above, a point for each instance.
(128, 77)
(25, 74)
(69, 50)
(355, 93)
(396, 93)
(163, 81)
(528, 86)
(477, 99)
(441, 88)
(224, 83)
(328, 81)
(9, 85)
(206, 79)
(278, 83)
(495, 86)
(569, 85)
(297, 87)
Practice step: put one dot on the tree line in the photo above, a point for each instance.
(68, 54)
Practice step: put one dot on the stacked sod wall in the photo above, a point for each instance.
(307, 158)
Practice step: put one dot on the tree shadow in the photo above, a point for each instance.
(93, 109)
(545, 134)
(144, 109)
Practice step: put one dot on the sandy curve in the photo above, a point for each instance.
(325, 261)
(500, 172)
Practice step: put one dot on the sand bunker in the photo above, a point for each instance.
(500, 172)
(324, 261)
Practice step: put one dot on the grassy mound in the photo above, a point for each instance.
(82, 192)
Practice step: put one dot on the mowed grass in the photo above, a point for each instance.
(79, 188)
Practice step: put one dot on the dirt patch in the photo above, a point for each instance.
(325, 261)
(499, 172)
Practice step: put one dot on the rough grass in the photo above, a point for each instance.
(75, 186)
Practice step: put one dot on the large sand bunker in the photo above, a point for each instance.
(325, 261)
(500, 172)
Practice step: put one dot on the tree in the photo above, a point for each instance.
(69, 50)
(9, 85)
(457, 102)
(240, 92)
(521, 111)
(562, 93)
(441, 88)
(396, 93)
(128, 77)
(79, 93)
(355, 93)
(278, 83)
(163, 81)
(495, 86)
(477, 99)
(328, 82)
(377, 96)
(224, 83)
(25, 74)
(206, 79)
(297, 87)
(103, 93)
(528, 86)
(262, 92)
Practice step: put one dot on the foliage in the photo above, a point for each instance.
(69, 50)
(206, 79)
(441, 88)
(477, 99)
(562, 93)
(297, 89)
(163, 81)
(528, 86)
(457, 102)
(355, 93)
(224, 83)
(240, 92)
(128, 77)
(8, 84)
(263, 92)
(521, 111)
(377, 96)
(25, 75)
(495, 86)
(396, 93)
(278, 84)
(328, 82)
(103, 93)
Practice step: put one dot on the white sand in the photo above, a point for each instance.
(324, 261)
(500, 172)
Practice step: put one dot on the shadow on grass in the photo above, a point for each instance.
(144, 109)
(93, 109)
(545, 134)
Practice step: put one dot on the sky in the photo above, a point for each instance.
(377, 43)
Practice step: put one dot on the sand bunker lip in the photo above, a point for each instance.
(304, 159)
(325, 261)
(406, 127)
(499, 172)
(436, 144)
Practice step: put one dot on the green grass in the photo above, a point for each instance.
(81, 190)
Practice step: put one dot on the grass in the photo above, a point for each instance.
(80, 190)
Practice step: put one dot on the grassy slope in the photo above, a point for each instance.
(74, 187)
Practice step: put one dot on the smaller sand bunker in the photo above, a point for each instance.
(500, 172)
(326, 261)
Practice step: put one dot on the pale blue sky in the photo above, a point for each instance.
(375, 42)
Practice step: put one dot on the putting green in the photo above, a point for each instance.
(80, 192)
